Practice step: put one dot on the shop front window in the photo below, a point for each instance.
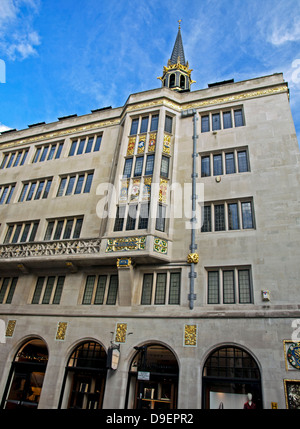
(26, 378)
(153, 379)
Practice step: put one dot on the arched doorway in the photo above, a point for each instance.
(153, 378)
(85, 377)
(229, 375)
(26, 376)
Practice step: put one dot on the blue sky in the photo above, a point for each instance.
(71, 56)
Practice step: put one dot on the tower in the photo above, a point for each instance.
(177, 75)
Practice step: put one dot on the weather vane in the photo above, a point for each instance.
(179, 23)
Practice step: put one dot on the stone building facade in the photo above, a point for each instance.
(149, 253)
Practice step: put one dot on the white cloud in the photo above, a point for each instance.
(282, 34)
(18, 37)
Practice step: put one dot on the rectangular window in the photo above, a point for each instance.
(206, 219)
(160, 218)
(219, 217)
(205, 124)
(238, 118)
(99, 290)
(144, 216)
(168, 124)
(138, 169)
(213, 287)
(112, 290)
(154, 123)
(21, 232)
(7, 289)
(235, 283)
(131, 217)
(85, 145)
(6, 193)
(149, 165)
(205, 166)
(48, 290)
(144, 124)
(227, 121)
(134, 127)
(216, 123)
(14, 159)
(233, 216)
(58, 229)
(230, 163)
(164, 169)
(119, 221)
(67, 185)
(247, 215)
(218, 165)
(158, 286)
(127, 168)
(242, 161)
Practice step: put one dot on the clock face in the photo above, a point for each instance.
(293, 355)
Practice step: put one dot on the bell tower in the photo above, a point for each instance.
(177, 75)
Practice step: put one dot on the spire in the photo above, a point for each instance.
(178, 52)
(177, 75)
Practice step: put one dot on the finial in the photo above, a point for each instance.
(179, 23)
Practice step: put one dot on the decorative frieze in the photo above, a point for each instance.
(125, 244)
(53, 248)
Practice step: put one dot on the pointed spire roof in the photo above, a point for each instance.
(178, 52)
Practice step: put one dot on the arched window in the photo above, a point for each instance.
(182, 81)
(25, 382)
(172, 80)
(153, 378)
(230, 374)
(85, 377)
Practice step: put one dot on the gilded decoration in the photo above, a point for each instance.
(292, 355)
(131, 146)
(190, 335)
(193, 258)
(160, 245)
(163, 190)
(141, 144)
(121, 331)
(167, 144)
(61, 331)
(124, 262)
(292, 394)
(159, 102)
(152, 142)
(10, 328)
(147, 189)
(125, 244)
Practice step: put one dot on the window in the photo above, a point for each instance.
(168, 124)
(144, 124)
(229, 286)
(79, 183)
(160, 218)
(48, 152)
(99, 290)
(164, 169)
(161, 288)
(35, 190)
(21, 232)
(127, 168)
(134, 126)
(59, 229)
(225, 161)
(85, 145)
(228, 216)
(144, 216)
(6, 192)
(138, 169)
(14, 159)
(154, 123)
(131, 217)
(149, 165)
(7, 289)
(119, 220)
(48, 290)
(222, 120)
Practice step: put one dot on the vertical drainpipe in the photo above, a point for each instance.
(193, 256)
